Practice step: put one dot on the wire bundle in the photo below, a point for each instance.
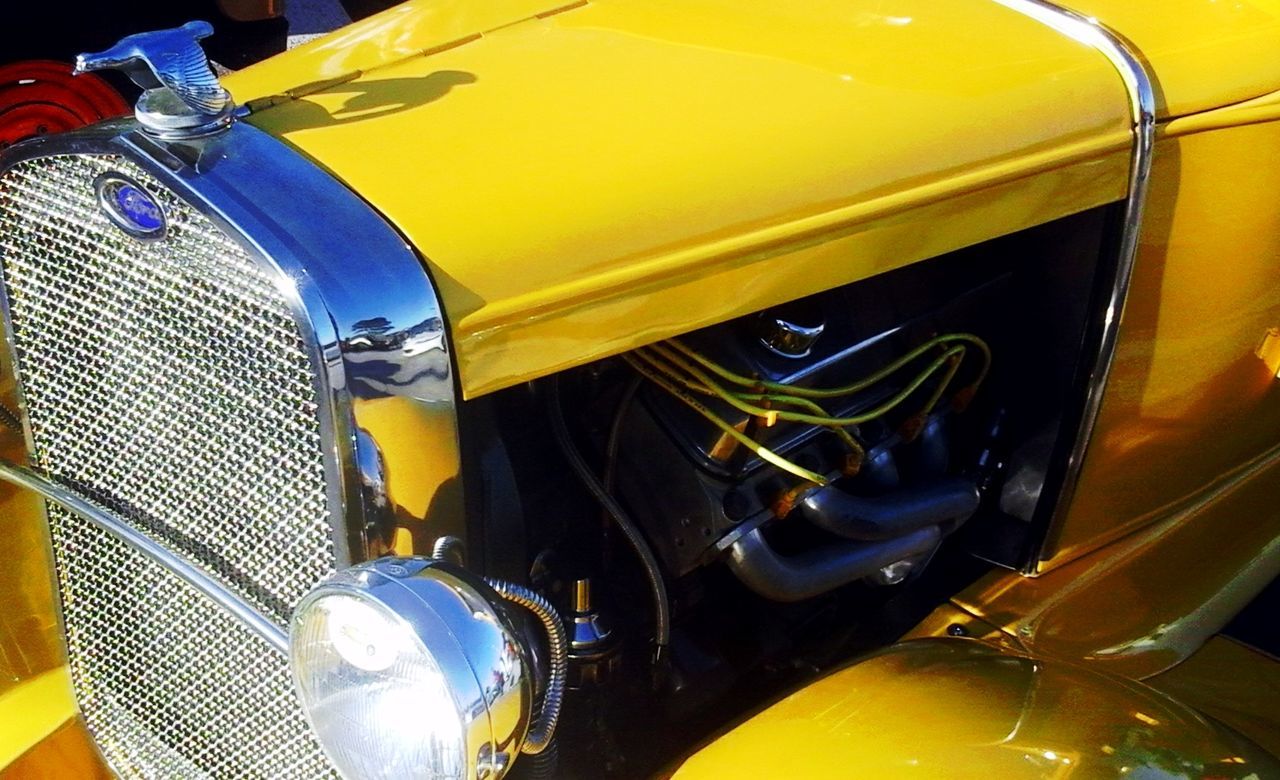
(685, 373)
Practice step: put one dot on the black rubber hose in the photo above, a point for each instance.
(795, 578)
(612, 444)
(615, 433)
(661, 606)
(891, 515)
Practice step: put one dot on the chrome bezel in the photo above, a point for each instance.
(340, 266)
(1129, 65)
(461, 622)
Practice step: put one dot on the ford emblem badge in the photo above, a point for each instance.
(130, 207)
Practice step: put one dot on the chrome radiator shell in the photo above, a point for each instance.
(368, 338)
(218, 453)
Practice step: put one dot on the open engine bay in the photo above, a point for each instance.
(725, 513)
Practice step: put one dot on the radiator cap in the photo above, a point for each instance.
(181, 97)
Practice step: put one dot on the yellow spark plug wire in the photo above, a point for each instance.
(770, 415)
(678, 369)
(764, 453)
(740, 401)
(849, 389)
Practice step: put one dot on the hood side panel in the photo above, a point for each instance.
(586, 182)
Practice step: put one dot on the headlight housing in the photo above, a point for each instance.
(410, 667)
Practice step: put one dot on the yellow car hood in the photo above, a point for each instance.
(583, 179)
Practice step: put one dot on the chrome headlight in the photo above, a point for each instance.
(409, 668)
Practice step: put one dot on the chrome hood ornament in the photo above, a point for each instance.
(182, 97)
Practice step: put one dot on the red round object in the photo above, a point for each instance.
(41, 96)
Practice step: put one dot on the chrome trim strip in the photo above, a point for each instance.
(197, 185)
(374, 313)
(1126, 60)
(72, 502)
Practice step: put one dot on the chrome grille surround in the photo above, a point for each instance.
(216, 454)
(191, 405)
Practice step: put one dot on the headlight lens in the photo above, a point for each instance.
(376, 696)
(407, 669)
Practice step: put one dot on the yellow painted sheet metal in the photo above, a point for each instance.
(963, 709)
(69, 752)
(1204, 53)
(1188, 399)
(1265, 108)
(32, 710)
(618, 172)
(30, 633)
(1141, 605)
(1233, 683)
(949, 620)
(405, 30)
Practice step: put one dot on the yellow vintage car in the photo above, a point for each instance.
(633, 388)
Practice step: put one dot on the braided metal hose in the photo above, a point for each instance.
(540, 735)
(450, 548)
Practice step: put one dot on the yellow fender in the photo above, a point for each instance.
(962, 708)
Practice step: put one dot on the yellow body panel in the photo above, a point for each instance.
(1205, 53)
(1174, 525)
(1260, 109)
(30, 634)
(1232, 683)
(1184, 467)
(33, 709)
(405, 30)
(68, 752)
(1188, 400)
(963, 709)
(624, 171)
(1141, 605)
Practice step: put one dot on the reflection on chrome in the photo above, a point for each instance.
(409, 666)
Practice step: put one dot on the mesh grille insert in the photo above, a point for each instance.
(169, 382)
(169, 684)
